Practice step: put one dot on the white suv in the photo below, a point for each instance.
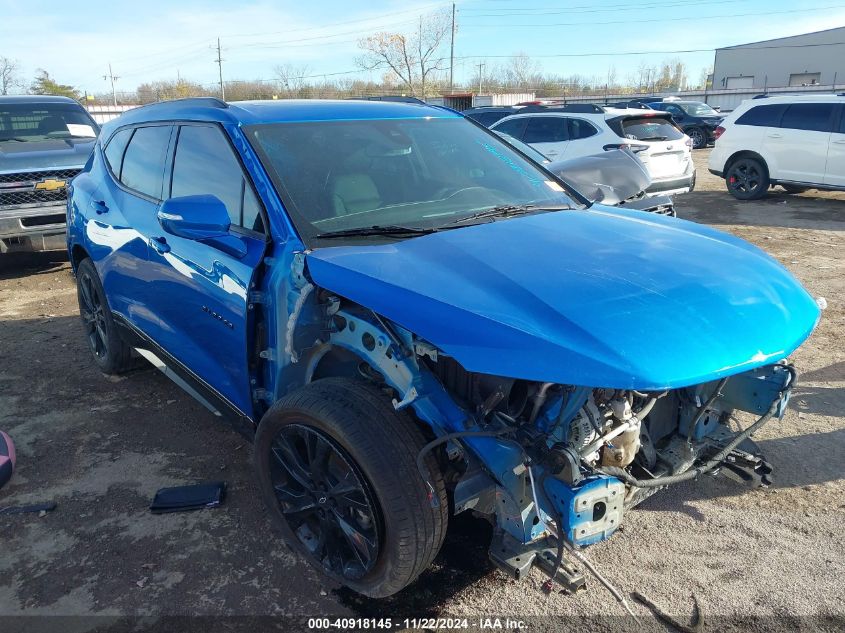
(795, 141)
(571, 131)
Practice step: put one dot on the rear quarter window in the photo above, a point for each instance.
(763, 115)
(650, 129)
(579, 128)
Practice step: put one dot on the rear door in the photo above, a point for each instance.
(835, 171)
(548, 134)
(123, 215)
(201, 288)
(796, 150)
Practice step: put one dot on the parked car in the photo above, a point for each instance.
(44, 142)
(697, 119)
(411, 318)
(615, 177)
(797, 142)
(563, 132)
(488, 115)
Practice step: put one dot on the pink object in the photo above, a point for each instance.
(7, 458)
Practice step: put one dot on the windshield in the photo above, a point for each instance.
(697, 109)
(420, 172)
(23, 122)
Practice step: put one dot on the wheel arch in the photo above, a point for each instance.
(77, 254)
(745, 153)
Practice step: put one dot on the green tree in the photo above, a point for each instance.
(43, 84)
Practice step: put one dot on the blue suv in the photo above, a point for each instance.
(412, 319)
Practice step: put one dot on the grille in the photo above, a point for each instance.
(19, 188)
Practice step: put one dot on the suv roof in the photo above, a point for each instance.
(275, 111)
(802, 97)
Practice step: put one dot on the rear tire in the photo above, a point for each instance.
(747, 179)
(698, 137)
(794, 188)
(110, 352)
(380, 532)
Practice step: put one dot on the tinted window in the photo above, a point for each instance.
(808, 116)
(579, 128)
(763, 115)
(114, 150)
(650, 129)
(842, 121)
(514, 127)
(206, 164)
(143, 163)
(545, 129)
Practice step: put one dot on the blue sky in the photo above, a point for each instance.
(155, 39)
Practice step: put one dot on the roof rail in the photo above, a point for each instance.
(580, 108)
(214, 102)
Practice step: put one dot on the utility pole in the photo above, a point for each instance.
(112, 77)
(219, 62)
(452, 54)
(480, 71)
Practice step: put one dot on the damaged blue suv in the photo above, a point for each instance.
(413, 319)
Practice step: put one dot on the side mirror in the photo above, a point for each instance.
(194, 217)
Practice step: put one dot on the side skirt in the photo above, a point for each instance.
(195, 386)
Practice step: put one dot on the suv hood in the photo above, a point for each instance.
(37, 155)
(602, 298)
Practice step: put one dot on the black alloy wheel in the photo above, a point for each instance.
(93, 316)
(325, 500)
(747, 179)
(698, 137)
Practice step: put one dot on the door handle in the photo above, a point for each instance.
(99, 206)
(160, 245)
(774, 135)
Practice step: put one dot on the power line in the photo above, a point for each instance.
(651, 20)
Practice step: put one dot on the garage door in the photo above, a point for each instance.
(740, 82)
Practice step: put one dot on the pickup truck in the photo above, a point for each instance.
(44, 142)
(412, 319)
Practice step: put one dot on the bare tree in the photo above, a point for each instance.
(8, 74)
(522, 72)
(293, 79)
(412, 57)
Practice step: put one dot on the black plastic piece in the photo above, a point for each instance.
(185, 498)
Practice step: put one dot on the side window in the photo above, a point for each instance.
(546, 129)
(808, 116)
(674, 110)
(205, 164)
(762, 115)
(513, 127)
(114, 150)
(143, 162)
(579, 128)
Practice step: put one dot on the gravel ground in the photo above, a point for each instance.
(100, 448)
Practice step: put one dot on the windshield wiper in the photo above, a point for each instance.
(390, 229)
(508, 210)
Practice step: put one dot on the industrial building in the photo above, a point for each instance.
(801, 60)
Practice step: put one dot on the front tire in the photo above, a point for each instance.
(336, 465)
(110, 352)
(747, 179)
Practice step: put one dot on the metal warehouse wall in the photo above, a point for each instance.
(773, 62)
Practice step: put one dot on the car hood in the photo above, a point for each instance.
(41, 155)
(605, 297)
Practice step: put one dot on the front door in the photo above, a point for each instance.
(797, 150)
(202, 287)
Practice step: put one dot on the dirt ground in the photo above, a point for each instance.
(100, 448)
